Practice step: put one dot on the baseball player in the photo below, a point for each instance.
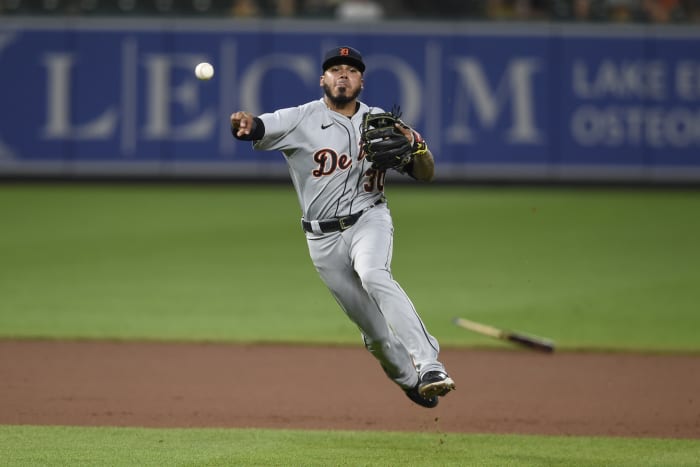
(338, 150)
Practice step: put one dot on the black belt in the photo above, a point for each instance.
(339, 223)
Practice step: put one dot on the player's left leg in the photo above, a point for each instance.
(371, 252)
(331, 258)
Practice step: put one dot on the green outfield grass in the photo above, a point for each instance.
(590, 268)
(49, 446)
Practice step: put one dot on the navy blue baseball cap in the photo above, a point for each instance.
(343, 54)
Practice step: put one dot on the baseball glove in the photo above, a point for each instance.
(383, 144)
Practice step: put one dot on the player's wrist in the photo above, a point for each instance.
(257, 131)
(420, 148)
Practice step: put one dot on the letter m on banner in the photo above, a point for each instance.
(476, 98)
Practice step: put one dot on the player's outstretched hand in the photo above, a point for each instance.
(242, 123)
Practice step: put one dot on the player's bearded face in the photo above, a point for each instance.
(342, 92)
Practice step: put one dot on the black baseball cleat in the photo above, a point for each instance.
(435, 383)
(415, 396)
(430, 386)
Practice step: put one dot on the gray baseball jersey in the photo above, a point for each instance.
(336, 180)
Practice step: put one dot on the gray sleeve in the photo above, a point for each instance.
(279, 127)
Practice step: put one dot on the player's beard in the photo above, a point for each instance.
(342, 98)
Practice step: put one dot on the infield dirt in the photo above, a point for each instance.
(277, 386)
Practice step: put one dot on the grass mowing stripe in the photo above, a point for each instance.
(33, 445)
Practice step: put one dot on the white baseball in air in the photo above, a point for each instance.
(204, 71)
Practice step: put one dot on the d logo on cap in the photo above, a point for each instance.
(343, 54)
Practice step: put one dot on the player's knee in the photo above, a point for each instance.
(373, 279)
(380, 349)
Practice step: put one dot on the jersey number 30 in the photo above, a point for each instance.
(374, 179)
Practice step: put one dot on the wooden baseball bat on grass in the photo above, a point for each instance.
(532, 342)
